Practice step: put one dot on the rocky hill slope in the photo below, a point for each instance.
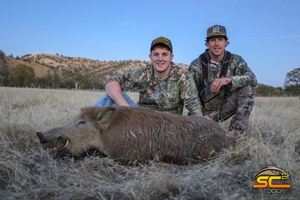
(45, 63)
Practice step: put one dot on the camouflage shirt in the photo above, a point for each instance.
(238, 71)
(168, 94)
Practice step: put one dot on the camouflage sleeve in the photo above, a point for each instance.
(128, 80)
(196, 74)
(190, 95)
(242, 75)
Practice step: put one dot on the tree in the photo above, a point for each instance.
(266, 90)
(292, 78)
(292, 82)
(23, 76)
(42, 82)
(4, 75)
(293, 90)
(2, 54)
(81, 82)
(49, 81)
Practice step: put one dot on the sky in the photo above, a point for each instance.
(266, 33)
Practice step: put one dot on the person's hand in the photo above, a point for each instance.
(218, 83)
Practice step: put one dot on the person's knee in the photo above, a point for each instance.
(245, 94)
(247, 91)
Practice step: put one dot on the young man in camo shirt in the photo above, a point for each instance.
(224, 82)
(162, 85)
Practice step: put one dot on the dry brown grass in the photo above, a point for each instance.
(28, 172)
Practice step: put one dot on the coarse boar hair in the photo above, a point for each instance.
(139, 134)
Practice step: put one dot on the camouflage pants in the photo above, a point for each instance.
(238, 104)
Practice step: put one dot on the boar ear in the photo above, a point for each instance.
(105, 117)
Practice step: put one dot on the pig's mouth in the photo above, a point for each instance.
(60, 150)
(62, 145)
(57, 146)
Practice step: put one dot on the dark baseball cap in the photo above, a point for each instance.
(216, 30)
(162, 40)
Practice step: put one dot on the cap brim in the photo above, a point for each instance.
(217, 35)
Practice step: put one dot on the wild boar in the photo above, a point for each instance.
(139, 134)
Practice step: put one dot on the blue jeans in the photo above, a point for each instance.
(105, 100)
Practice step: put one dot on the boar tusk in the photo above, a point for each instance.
(65, 145)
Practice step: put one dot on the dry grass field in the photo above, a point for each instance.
(27, 171)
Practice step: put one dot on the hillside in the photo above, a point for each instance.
(42, 63)
(58, 71)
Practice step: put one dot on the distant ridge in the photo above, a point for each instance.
(44, 63)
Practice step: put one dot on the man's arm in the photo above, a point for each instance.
(114, 91)
(190, 96)
(195, 74)
(218, 83)
(243, 75)
(115, 84)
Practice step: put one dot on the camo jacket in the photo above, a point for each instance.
(169, 94)
(238, 71)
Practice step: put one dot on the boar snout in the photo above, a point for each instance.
(41, 137)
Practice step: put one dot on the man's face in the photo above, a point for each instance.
(161, 57)
(216, 46)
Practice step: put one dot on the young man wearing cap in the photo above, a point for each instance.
(224, 82)
(162, 85)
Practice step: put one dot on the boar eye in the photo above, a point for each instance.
(81, 122)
